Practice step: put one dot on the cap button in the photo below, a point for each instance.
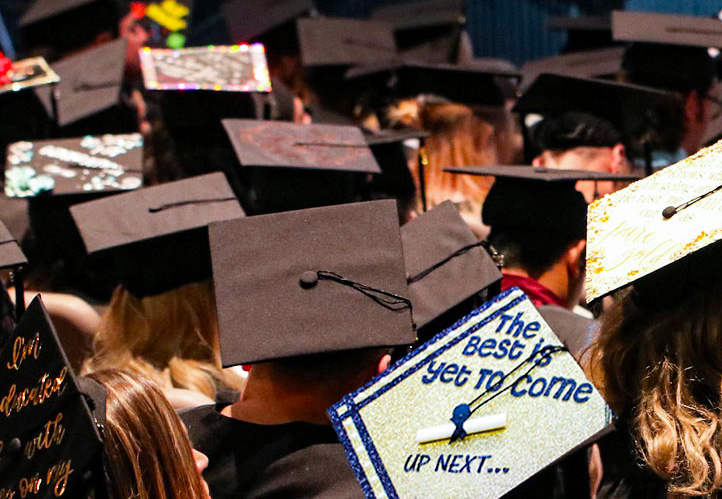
(308, 279)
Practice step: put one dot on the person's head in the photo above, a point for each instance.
(581, 141)
(147, 451)
(688, 71)
(171, 337)
(660, 367)
(327, 376)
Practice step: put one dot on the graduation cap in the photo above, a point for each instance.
(669, 51)
(51, 434)
(289, 284)
(583, 32)
(297, 166)
(445, 266)
(249, 20)
(25, 116)
(452, 417)
(158, 234)
(459, 83)
(428, 30)
(67, 25)
(167, 22)
(584, 64)
(12, 257)
(202, 85)
(326, 41)
(72, 166)
(88, 97)
(525, 197)
(660, 234)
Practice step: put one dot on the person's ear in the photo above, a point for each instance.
(619, 159)
(384, 363)
(574, 256)
(538, 161)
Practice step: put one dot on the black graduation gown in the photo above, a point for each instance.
(291, 460)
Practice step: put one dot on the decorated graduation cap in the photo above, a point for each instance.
(669, 51)
(446, 265)
(573, 119)
(73, 166)
(460, 83)
(660, 234)
(67, 25)
(450, 418)
(88, 96)
(310, 281)
(158, 234)
(167, 22)
(202, 85)
(598, 63)
(50, 431)
(525, 197)
(291, 166)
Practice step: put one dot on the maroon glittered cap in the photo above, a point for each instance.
(310, 281)
(154, 212)
(344, 42)
(10, 253)
(90, 82)
(291, 145)
(445, 262)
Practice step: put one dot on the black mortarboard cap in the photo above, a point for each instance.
(158, 234)
(291, 145)
(74, 166)
(669, 51)
(583, 32)
(247, 20)
(67, 25)
(445, 264)
(525, 197)
(289, 284)
(583, 64)
(53, 437)
(344, 42)
(10, 253)
(459, 83)
(88, 98)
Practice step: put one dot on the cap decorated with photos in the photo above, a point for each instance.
(90, 83)
(445, 264)
(526, 197)
(87, 164)
(158, 234)
(660, 230)
(310, 281)
(50, 438)
(448, 419)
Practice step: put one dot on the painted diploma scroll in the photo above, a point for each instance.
(474, 412)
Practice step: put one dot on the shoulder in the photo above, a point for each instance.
(319, 470)
(575, 331)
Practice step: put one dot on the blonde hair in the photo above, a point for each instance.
(147, 450)
(662, 370)
(172, 338)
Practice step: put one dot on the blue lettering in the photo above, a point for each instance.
(517, 325)
(584, 390)
(463, 376)
(454, 466)
(503, 318)
(492, 385)
(490, 344)
(517, 347)
(434, 373)
(441, 463)
(536, 383)
(532, 326)
(483, 373)
(563, 383)
(449, 370)
(471, 344)
(518, 393)
(503, 348)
